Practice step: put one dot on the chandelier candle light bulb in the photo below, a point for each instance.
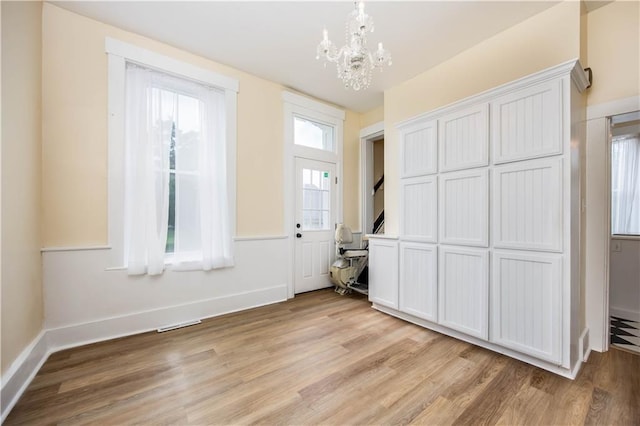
(354, 61)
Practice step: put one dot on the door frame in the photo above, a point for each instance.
(597, 276)
(368, 135)
(296, 105)
(311, 235)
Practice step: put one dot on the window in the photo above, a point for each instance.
(316, 203)
(172, 168)
(313, 134)
(625, 185)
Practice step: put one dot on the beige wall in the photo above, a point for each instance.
(75, 135)
(351, 170)
(373, 116)
(544, 40)
(613, 51)
(22, 310)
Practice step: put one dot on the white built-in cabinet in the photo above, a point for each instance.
(488, 245)
(383, 272)
(419, 280)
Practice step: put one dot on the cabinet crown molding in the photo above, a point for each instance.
(572, 68)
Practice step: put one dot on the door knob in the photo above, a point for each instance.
(298, 235)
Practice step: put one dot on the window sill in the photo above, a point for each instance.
(625, 237)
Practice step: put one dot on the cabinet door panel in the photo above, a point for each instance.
(463, 139)
(463, 290)
(527, 210)
(463, 203)
(419, 150)
(383, 272)
(419, 201)
(418, 280)
(526, 303)
(526, 123)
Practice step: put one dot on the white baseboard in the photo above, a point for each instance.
(569, 373)
(21, 372)
(26, 366)
(624, 313)
(141, 322)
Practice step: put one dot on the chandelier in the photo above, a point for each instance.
(354, 61)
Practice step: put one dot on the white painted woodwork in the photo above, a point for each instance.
(527, 205)
(419, 280)
(526, 303)
(419, 150)
(463, 294)
(463, 138)
(522, 209)
(463, 208)
(383, 272)
(419, 209)
(526, 123)
(315, 246)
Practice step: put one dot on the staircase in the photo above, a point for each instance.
(378, 223)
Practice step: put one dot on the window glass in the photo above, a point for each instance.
(625, 185)
(179, 124)
(315, 200)
(313, 134)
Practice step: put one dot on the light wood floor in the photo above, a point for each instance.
(319, 358)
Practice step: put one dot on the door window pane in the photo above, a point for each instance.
(313, 134)
(316, 204)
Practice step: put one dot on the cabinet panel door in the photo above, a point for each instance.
(526, 123)
(419, 150)
(527, 205)
(383, 272)
(463, 139)
(526, 303)
(463, 290)
(463, 205)
(418, 280)
(419, 205)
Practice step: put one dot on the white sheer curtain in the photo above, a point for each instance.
(148, 125)
(625, 185)
(162, 109)
(203, 233)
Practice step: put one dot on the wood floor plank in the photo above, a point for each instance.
(319, 358)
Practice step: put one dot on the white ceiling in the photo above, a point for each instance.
(277, 40)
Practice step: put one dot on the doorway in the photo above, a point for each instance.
(315, 217)
(624, 255)
(372, 179)
(313, 133)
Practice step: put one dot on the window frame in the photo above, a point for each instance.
(634, 236)
(118, 54)
(297, 116)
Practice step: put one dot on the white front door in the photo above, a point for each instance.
(315, 219)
